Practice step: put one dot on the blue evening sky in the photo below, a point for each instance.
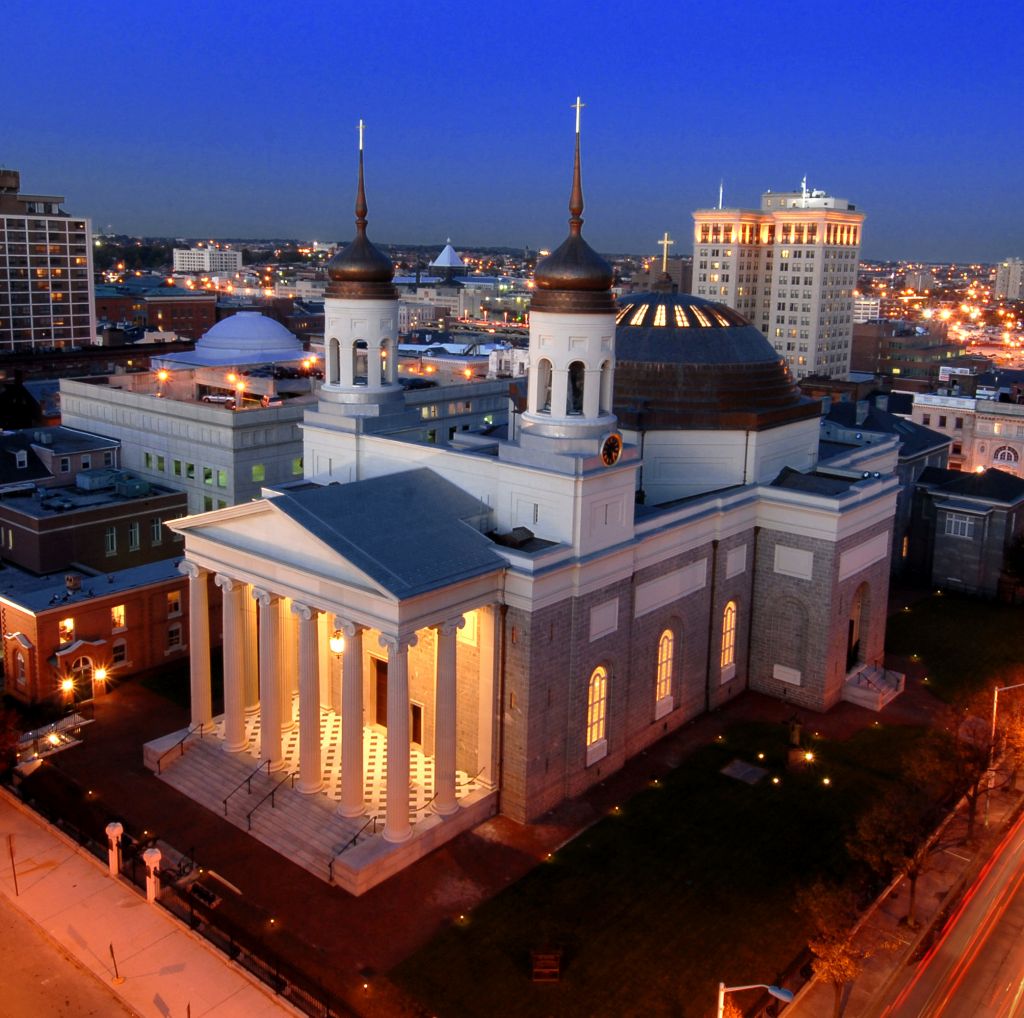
(217, 119)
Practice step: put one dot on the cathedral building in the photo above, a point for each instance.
(417, 636)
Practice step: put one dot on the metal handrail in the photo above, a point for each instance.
(197, 727)
(269, 795)
(348, 844)
(247, 781)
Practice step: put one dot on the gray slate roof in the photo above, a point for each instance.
(993, 485)
(914, 438)
(410, 532)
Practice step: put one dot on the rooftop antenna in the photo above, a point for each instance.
(721, 194)
(803, 190)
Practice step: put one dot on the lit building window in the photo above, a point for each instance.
(597, 707)
(259, 472)
(173, 603)
(66, 630)
(20, 672)
(117, 616)
(666, 646)
(729, 635)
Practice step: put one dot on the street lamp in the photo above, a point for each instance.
(776, 991)
(992, 741)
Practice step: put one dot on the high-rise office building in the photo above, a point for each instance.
(213, 260)
(790, 267)
(46, 281)
(1010, 280)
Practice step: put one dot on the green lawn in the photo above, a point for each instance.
(964, 643)
(694, 881)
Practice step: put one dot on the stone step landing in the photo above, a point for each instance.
(303, 828)
(873, 687)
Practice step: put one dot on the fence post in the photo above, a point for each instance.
(151, 857)
(114, 832)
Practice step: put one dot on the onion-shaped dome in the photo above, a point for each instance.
(684, 362)
(573, 278)
(361, 270)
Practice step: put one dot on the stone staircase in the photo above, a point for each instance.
(303, 828)
(873, 687)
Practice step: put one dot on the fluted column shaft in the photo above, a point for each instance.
(352, 777)
(396, 822)
(270, 693)
(444, 717)
(199, 645)
(250, 650)
(234, 662)
(288, 655)
(310, 753)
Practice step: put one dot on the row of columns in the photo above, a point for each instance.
(275, 694)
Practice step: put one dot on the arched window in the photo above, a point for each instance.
(574, 391)
(20, 670)
(597, 707)
(81, 672)
(334, 362)
(1005, 454)
(544, 386)
(666, 646)
(729, 635)
(606, 388)
(359, 362)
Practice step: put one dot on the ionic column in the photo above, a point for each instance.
(251, 654)
(396, 822)
(311, 770)
(444, 716)
(199, 644)
(234, 662)
(270, 693)
(352, 777)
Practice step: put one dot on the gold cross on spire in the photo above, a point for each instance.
(577, 106)
(361, 127)
(665, 243)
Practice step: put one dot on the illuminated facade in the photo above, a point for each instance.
(790, 268)
(46, 280)
(505, 621)
(1009, 280)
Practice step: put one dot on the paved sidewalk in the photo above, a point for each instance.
(949, 869)
(167, 970)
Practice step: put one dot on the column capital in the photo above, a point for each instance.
(228, 584)
(190, 569)
(347, 626)
(304, 611)
(450, 626)
(264, 598)
(398, 644)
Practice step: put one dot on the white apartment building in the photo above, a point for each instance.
(866, 309)
(790, 267)
(46, 273)
(1010, 280)
(209, 260)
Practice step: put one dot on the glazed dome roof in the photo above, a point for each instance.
(361, 270)
(684, 362)
(574, 277)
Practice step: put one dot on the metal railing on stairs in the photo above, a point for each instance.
(247, 781)
(180, 745)
(269, 795)
(348, 844)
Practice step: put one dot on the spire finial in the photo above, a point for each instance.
(576, 197)
(360, 189)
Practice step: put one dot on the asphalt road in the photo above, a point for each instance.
(39, 979)
(975, 969)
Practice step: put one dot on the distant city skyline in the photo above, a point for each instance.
(202, 122)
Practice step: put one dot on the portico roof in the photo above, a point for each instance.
(410, 532)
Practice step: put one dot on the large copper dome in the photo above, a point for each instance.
(684, 362)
